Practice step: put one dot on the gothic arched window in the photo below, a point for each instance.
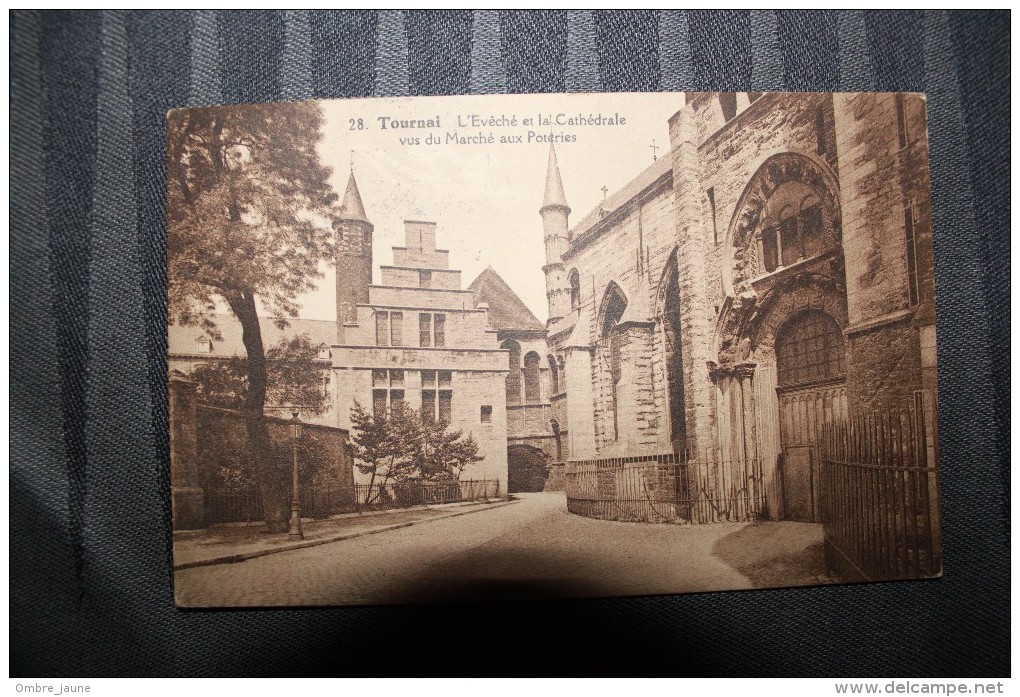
(513, 378)
(611, 343)
(532, 392)
(809, 349)
(575, 290)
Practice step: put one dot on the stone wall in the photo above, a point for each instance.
(884, 182)
(864, 157)
(627, 249)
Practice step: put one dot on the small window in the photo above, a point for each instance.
(513, 378)
(379, 404)
(424, 279)
(789, 236)
(575, 290)
(446, 406)
(367, 239)
(823, 146)
(379, 378)
(901, 120)
(812, 228)
(431, 330)
(440, 326)
(324, 353)
(913, 289)
(424, 330)
(770, 251)
(445, 378)
(532, 365)
(382, 328)
(711, 207)
(203, 345)
(396, 329)
(396, 399)
(486, 413)
(428, 405)
(554, 375)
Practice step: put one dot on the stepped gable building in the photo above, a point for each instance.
(772, 272)
(416, 338)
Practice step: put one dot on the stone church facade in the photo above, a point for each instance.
(772, 273)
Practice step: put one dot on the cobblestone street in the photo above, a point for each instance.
(529, 549)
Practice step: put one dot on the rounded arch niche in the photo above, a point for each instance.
(791, 198)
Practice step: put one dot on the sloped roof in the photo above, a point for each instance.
(352, 208)
(621, 196)
(554, 195)
(506, 309)
(183, 340)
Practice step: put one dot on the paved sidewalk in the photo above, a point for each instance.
(226, 544)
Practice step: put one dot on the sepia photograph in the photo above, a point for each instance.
(506, 347)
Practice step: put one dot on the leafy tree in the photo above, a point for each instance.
(374, 448)
(293, 378)
(248, 207)
(461, 453)
(438, 454)
(404, 447)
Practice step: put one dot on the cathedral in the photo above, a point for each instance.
(772, 273)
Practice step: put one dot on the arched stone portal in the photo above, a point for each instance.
(527, 469)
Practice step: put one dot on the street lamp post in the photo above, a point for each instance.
(296, 533)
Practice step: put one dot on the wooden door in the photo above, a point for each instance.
(803, 412)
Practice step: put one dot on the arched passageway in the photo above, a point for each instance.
(527, 469)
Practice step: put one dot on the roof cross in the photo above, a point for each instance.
(655, 149)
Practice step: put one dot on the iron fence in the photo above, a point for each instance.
(666, 488)
(424, 493)
(244, 504)
(233, 505)
(879, 490)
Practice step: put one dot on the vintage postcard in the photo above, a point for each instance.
(446, 349)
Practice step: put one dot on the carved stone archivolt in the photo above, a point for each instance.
(751, 327)
(758, 298)
(752, 212)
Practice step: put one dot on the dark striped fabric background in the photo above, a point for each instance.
(90, 543)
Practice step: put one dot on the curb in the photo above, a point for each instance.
(287, 547)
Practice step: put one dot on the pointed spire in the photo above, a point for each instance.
(352, 209)
(554, 195)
